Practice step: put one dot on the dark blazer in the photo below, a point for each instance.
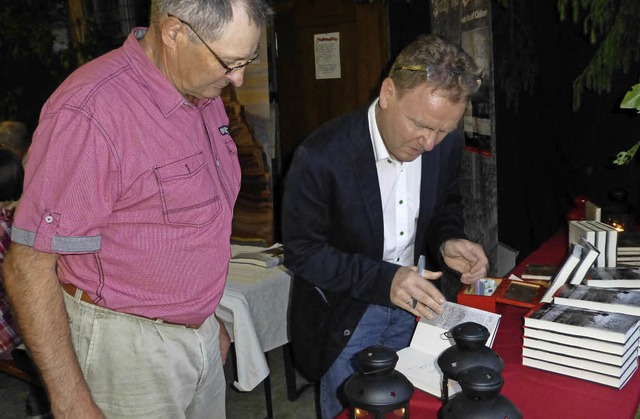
(333, 233)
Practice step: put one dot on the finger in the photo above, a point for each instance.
(429, 310)
(468, 279)
(431, 275)
(480, 271)
(429, 299)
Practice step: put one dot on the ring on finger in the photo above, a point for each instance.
(412, 302)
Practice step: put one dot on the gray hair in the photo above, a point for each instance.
(432, 50)
(210, 17)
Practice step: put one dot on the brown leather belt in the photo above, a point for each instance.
(71, 290)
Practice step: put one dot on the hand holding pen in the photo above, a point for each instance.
(412, 290)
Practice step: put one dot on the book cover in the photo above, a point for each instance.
(562, 276)
(602, 325)
(418, 362)
(613, 277)
(617, 382)
(266, 258)
(587, 259)
(624, 301)
(538, 271)
(604, 346)
(561, 348)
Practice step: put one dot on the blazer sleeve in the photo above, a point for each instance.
(327, 233)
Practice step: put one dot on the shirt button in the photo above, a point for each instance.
(402, 233)
(397, 259)
(346, 332)
(389, 161)
(48, 219)
(401, 202)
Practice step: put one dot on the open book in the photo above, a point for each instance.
(419, 363)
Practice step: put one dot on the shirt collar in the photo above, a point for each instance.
(165, 95)
(380, 151)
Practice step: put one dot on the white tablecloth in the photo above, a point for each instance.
(254, 309)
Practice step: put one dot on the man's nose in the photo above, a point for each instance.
(236, 77)
(428, 141)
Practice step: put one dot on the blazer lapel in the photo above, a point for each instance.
(367, 180)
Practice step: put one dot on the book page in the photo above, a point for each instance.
(422, 370)
(455, 314)
(418, 362)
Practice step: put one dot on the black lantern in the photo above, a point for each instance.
(469, 351)
(480, 397)
(377, 390)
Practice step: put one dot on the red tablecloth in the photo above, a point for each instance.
(537, 393)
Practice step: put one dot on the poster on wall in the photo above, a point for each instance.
(253, 95)
(470, 21)
(326, 48)
(476, 40)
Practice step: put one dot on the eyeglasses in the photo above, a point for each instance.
(222, 63)
(442, 76)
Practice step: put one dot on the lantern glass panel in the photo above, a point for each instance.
(395, 414)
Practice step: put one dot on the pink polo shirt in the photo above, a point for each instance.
(134, 187)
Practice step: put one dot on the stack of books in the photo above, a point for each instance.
(603, 236)
(592, 345)
(628, 252)
(589, 326)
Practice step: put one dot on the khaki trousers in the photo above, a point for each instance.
(140, 368)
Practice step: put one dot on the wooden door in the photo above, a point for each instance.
(306, 102)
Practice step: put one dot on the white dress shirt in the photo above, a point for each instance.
(400, 193)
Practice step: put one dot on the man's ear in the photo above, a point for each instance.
(387, 92)
(170, 28)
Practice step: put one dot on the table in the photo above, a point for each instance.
(254, 310)
(537, 393)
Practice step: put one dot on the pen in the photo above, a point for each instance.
(422, 261)
(421, 264)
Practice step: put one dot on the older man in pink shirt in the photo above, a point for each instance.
(121, 240)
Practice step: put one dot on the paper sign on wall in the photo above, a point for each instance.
(327, 55)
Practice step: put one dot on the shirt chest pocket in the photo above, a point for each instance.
(188, 193)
